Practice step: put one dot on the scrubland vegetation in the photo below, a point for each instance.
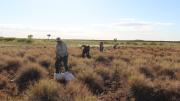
(125, 74)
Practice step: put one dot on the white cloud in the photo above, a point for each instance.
(123, 28)
(132, 25)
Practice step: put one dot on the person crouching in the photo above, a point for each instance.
(86, 51)
(61, 56)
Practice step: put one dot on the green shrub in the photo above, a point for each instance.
(1, 38)
(153, 43)
(24, 40)
(21, 40)
(9, 39)
(144, 43)
(29, 41)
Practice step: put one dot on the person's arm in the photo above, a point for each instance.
(56, 51)
(66, 48)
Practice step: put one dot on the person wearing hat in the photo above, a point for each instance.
(61, 55)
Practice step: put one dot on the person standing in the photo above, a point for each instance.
(61, 56)
(101, 46)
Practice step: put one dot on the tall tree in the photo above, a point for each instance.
(30, 36)
(48, 35)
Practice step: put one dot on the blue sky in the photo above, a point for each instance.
(91, 19)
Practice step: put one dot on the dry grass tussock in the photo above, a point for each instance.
(92, 80)
(124, 74)
(29, 75)
(50, 90)
(8, 63)
(45, 90)
(146, 90)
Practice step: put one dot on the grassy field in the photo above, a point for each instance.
(136, 71)
(75, 43)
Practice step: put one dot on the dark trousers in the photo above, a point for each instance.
(101, 49)
(86, 54)
(58, 64)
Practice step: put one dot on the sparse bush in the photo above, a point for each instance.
(1, 38)
(115, 39)
(21, 40)
(122, 43)
(9, 39)
(128, 43)
(144, 43)
(25, 40)
(29, 41)
(153, 43)
(135, 43)
(29, 74)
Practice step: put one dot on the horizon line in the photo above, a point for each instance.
(94, 39)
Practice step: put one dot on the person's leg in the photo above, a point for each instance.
(87, 52)
(83, 53)
(101, 49)
(88, 55)
(65, 61)
(58, 65)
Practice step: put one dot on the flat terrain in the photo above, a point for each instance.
(135, 71)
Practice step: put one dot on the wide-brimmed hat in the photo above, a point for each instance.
(58, 39)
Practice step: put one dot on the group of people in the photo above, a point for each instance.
(62, 54)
